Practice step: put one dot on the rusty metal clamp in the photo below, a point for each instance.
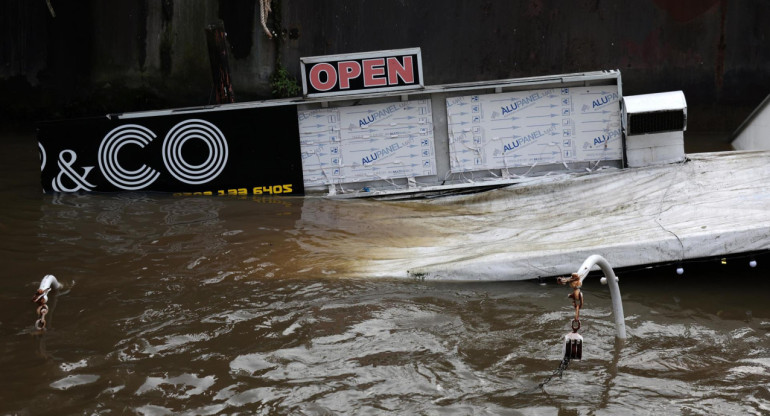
(41, 296)
(573, 347)
(576, 295)
(48, 283)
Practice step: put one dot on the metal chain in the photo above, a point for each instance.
(40, 298)
(558, 372)
(42, 309)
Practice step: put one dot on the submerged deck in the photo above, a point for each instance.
(714, 204)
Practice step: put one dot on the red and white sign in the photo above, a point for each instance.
(392, 70)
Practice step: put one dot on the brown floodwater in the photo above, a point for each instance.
(227, 305)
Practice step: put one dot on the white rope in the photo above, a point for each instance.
(50, 8)
(264, 11)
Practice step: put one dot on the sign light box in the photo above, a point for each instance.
(392, 70)
(208, 152)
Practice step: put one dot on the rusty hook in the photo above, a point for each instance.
(40, 296)
(573, 281)
(577, 296)
(577, 301)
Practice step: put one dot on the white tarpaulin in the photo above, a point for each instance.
(712, 205)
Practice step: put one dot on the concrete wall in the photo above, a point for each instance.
(711, 49)
(113, 56)
(132, 54)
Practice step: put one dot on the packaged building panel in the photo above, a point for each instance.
(368, 142)
(534, 127)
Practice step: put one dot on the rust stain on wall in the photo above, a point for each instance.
(654, 51)
(685, 10)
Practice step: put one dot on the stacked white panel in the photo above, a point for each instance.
(367, 143)
(527, 128)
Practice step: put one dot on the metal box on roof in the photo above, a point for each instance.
(654, 127)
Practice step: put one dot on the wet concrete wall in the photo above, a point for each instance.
(137, 54)
(92, 57)
(714, 50)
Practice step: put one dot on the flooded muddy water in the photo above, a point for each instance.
(227, 305)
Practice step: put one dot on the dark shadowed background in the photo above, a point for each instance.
(95, 57)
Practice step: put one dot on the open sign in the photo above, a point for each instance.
(371, 71)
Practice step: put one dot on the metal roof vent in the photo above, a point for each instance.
(655, 113)
(654, 126)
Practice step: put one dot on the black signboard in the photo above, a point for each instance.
(245, 151)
